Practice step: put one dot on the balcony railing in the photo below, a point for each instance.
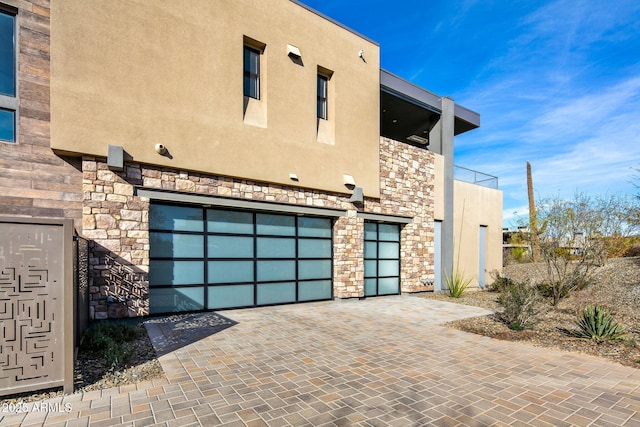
(475, 177)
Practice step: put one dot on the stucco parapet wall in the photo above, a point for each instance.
(117, 222)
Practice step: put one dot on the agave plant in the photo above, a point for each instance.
(456, 284)
(596, 323)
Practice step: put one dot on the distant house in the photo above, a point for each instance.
(233, 154)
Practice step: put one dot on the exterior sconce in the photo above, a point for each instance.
(293, 51)
(115, 158)
(357, 196)
(348, 181)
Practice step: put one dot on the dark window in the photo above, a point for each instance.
(251, 72)
(323, 86)
(7, 125)
(8, 101)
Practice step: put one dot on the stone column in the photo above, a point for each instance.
(348, 256)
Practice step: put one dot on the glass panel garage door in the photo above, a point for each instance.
(381, 259)
(205, 259)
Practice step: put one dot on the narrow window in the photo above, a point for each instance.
(8, 100)
(251, 72)
(323, 86)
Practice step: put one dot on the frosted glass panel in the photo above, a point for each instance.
(163, 300)
(276, 248)
(388, 286)
(370, 250)
(314, 227)
(276, 270)
(314, 269)
(167, 245)
(370, 287)
(175, 218)
(390, 232)
(370, 231)
(277, 225)
(309, 291)
(389, 250)
(229, 296)
(230, 247)
(308, 248)
(276, 293)
(370, 268)
(230, 271)
(219, 221)
(175, 272)
(388, 268)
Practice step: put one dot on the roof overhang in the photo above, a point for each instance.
(409, 112)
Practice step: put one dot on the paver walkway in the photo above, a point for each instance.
(380, 362)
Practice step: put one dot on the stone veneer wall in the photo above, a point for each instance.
(33, 180)
(117, 223)
(407, 189)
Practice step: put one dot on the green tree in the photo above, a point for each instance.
(577, 237)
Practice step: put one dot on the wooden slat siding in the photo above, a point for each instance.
(34, 181)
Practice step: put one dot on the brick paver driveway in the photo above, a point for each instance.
(383, 361)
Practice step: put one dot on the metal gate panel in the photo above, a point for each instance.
(36, 305)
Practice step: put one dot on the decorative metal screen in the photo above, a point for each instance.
(36, 281)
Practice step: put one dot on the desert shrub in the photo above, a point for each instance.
(596, 323)
(109, 340)
(499, 281)
(618, 246)
(550, 290)
(456, 284)
(632, 252)
(519, 254)
(521, 302)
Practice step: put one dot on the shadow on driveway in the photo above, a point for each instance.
(169, 333)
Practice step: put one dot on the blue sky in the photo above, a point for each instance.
(555, 82)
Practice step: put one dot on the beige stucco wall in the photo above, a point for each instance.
(482, 206)
(476, 206)
(136, 73)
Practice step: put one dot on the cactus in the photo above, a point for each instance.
(534, 230)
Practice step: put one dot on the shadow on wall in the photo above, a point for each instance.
(119, 288)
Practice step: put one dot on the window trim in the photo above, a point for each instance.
(8, 102)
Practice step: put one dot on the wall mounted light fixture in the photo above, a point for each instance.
(357, 196)
(293, 51)
(348, 181)
(115, 158)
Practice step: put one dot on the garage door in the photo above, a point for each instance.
(209, 258)
(381, 259)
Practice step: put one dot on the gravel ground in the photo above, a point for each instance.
(616, 286)
(91, 373)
